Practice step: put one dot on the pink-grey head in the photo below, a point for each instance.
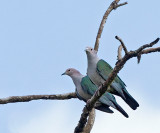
(71, 72)
(91, 54)
(90, 50)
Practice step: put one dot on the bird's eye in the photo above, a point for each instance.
(69, 70)
(91, 49)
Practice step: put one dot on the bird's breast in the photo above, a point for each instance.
(95, 77)
(82, 93)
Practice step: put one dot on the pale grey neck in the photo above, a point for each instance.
(77, 79)
(92, 61)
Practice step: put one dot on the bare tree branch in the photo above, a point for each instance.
(14, 99)
(112, 6)
(147, 51)
(123, 45)
(119, 56)
(147, 45)
(139, 58)
(122, 4)
(103, 88)
(140, 53)
(151, 50)
(90, 122)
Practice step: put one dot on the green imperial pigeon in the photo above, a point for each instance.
(85, 89)
(98, 71)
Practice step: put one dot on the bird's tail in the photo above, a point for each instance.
(130, 100)
(104, 108)
(120, 109)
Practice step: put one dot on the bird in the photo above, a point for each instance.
(98, 71)
(85, 89)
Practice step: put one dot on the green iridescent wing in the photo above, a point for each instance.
(104, 69)
(90, 88)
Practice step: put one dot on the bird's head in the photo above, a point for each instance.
(91, 53)
(71, 72)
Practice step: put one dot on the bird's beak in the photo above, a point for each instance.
(63, 74)
(86, 50)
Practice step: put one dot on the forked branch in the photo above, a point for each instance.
(103, 88)
(113, 5)
(90, 122)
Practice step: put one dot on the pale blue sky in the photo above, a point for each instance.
(40, 39)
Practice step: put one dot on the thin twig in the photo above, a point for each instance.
(119, 56)
(150, 50)
(146, 51)
(148, 45)
(139, 58)
(112, 6)
(28, 98)
(103, 88)
(122, 4)
(122, 43)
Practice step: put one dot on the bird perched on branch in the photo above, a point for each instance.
(98, 71)
(85, 89)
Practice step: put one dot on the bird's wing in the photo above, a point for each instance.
(89, 87)
(104, 69)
